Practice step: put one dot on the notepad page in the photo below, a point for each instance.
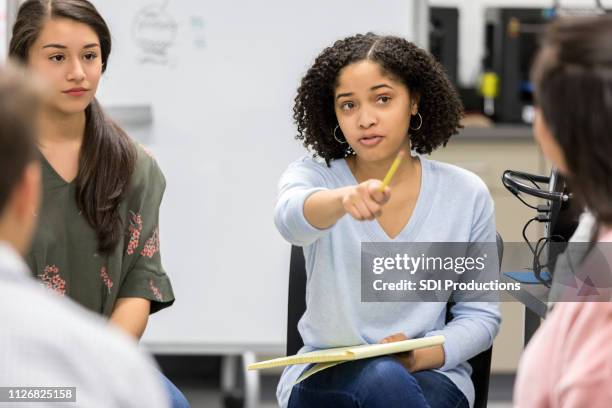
(350, 352)
(317, 356)
(374, 350)
(315, 369)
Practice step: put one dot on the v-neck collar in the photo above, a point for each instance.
(54, 175)
(423, 203)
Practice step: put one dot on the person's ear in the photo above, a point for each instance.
(26, 195)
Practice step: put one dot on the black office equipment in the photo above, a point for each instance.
(444, 39)
(560, 214)
(512, 36)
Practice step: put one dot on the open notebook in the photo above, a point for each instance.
(331, 357)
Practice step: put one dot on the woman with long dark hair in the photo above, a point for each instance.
(98, 237)
(568, 361)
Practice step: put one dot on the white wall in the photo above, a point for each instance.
(471, 27)
(221, 100)
(3, 31)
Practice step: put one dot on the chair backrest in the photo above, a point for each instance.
(481, 364)
(297, 299)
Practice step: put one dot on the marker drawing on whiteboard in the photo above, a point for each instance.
(154, 31)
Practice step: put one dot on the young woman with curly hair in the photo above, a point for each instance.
(366, 98)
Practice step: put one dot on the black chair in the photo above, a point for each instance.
(481, 364)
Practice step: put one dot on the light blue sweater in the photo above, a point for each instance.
(454, 205)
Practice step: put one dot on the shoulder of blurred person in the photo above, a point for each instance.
(573, 345)
(49, 341)
(584, 230)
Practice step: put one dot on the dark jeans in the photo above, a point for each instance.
(177, 399)
(376, 382)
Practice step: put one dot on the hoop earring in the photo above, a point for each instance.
(336, 137)
(420, 123)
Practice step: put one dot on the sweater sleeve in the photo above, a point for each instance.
(303, 178)
(592, 392)
(474, 325)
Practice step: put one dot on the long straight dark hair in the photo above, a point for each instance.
(107, 156)
(572, 75)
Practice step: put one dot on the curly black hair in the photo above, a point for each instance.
(439, 103)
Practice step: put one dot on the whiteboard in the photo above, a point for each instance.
(220, 78)
(3, 30)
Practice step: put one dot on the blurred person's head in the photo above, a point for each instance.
(19, 170)
(572, 77)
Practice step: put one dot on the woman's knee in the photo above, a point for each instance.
(385, 382)
(386, 374)
(377, 382)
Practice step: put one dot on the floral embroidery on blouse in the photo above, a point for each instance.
(152, 245)
(134, 229)
(155, 290)
(52, 279)
(106, 279)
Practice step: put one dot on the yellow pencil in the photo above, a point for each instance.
(392, 170)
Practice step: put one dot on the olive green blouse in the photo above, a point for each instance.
(64, 251)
